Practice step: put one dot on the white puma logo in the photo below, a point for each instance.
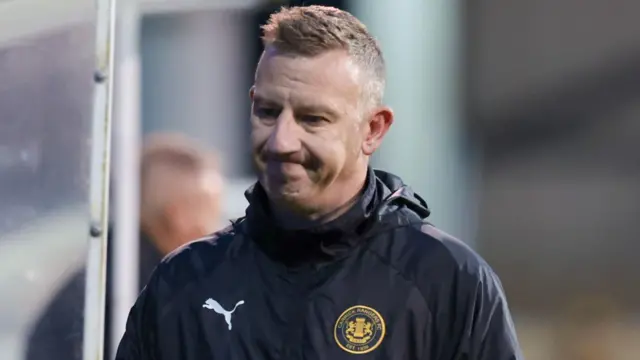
(213, 305)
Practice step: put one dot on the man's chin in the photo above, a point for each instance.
(280, 194)
(288, 196)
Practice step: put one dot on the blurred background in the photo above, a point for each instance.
(519, 122)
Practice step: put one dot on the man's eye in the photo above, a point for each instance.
(312, 119)
(265, 112)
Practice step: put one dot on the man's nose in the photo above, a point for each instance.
(285, 135)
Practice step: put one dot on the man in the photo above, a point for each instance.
(180, 200)
(180, 191)
(333, 259)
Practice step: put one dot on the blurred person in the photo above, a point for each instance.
(180, 191)
(332, 259)
(179, 201)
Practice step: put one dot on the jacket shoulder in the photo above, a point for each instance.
(450, 268)
(428, 256)
(458, 282)
(447, 247)
(193, 260)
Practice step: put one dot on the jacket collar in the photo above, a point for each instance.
(319, 244)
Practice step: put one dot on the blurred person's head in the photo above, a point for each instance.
(317, 112)
(180, 191)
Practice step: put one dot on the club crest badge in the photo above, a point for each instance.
(359, 330)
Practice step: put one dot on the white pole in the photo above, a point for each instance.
(99, 182)
(124, 252)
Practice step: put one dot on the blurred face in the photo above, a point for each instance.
(310, 138)
(193, 213)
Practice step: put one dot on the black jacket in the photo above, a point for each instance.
(378, 281)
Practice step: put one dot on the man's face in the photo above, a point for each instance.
(307, 128)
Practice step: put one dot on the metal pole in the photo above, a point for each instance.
(99, 185)
(126, 167)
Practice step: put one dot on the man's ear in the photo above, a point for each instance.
(376, 127)
(251, 92)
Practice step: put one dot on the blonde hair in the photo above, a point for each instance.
(313, 30)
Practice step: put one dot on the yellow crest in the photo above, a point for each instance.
(359, 330)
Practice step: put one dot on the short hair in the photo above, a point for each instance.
(179, 160)
(312, 30)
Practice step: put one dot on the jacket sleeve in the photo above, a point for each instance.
(479, 324)
(138, 342)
